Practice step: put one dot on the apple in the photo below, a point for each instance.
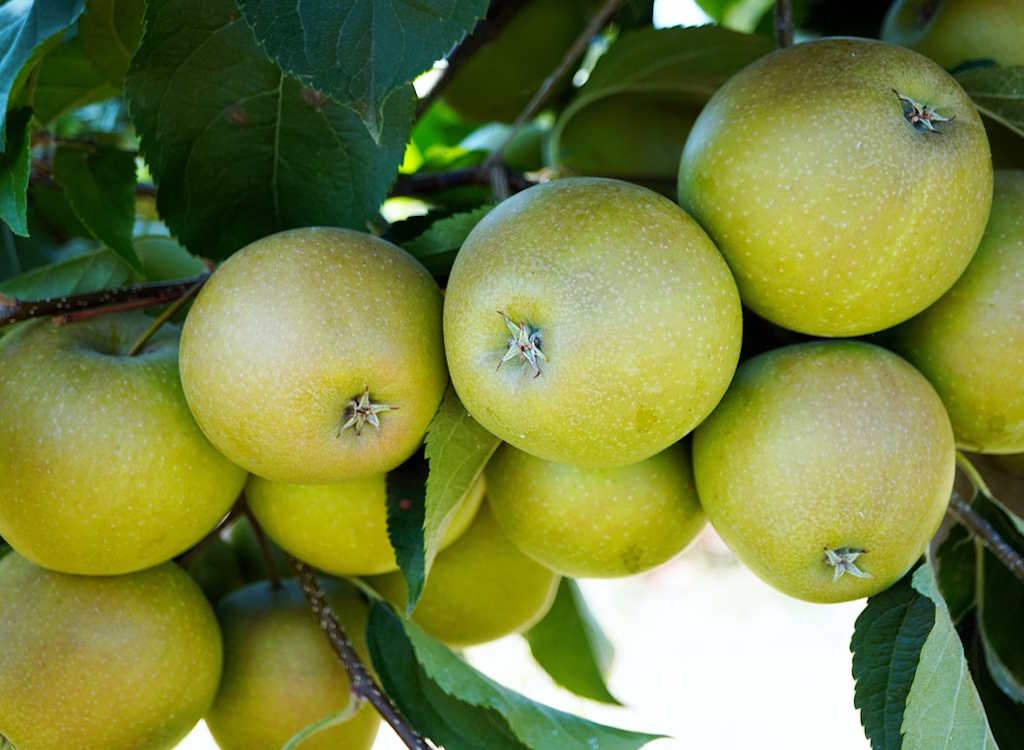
(112, 662)
(341, 528)
(598, 523)
(846, 181)
(103, 470)
(970, 344)
(953, 32)
(827, 468)
(280, 674)
(241, 537)
(314, 355)
(590, 322)
(479, 589)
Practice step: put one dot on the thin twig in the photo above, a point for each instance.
(101, 302)
(498, 16)
(423, 183)
(571, 57)
(784, 23)
(185, 558)
(987, 534)
(273, 575)
(363, 684)
(162, 318)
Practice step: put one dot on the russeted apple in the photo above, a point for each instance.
(479, 589)
(590, 322)
(103, 662)
(341, 528)
(970, 344)
(103, 470)
(314, 355)
(846, 181)
(827, 468)
(280, 674)
(953, 32)
(599, 523)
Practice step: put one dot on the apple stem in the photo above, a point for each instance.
(186, 557)
(273, 575)
(167, 314)
(363, 684)
(990, 538)
(784, 23)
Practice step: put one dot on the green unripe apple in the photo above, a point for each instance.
(215, 568)
(841, 207)
(103, 663)
(596, 522)
(242, 539)
(479, 589)
(827, 468)
(103, 470)
(970, 344)
(590, 322)
(501, 77)
(953, 32)
(635, 136)
(314, 355)
(280, 674)
(340, 528)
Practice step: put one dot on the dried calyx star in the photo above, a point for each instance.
(844, 560)
(524, 342)
(360, 411)
(921, 116)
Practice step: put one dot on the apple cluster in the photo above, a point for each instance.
(838, 195)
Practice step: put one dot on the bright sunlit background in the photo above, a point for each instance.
(705, 652)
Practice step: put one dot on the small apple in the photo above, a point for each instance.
(314, 355)
(846, 181)
(827, 468)
(113, 662)
(598, 523)
(590, 322)
(953, 32)
(280, 674)
(103, 470)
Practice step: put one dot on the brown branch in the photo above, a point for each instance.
(987, 534)
(273, 575)
(91, 304)
(498, 16)
(784, 23)
(423, 183)
(363, 684)
(185, 558)
(571, 57)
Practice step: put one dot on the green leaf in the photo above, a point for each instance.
(955, 567)
(164, 259)
(741, 15)
(998, 92)
(406, 489)
(14, 171)
(437, 247)
(66, 81)
(686, 65)
(459, 708)
(1004, 715)
(110, 31)
(238, 149)
(360, 51)
(99, 184)
(97, 270)
(887, 641)
(570, 646)
(25, 26)
(944, 711)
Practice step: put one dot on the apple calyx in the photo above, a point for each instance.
(524, 342)
(921, 116)
(843, 560)
(360, 411)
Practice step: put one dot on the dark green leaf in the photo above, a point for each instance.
(570, 646)
(238, 149)
(360, 51)
(24, 26)
(110, 32)
(1004, 715)
(66, 81)
(998, 92)
(100, 269)
(14, 171)
(163, 259)
(437, 247)
(99, 184)
(461, 709)
(955, 567)
(407, 488)
(887, 642)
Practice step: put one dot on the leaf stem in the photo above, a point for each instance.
(986, 534)
(273, 575)
(354, 704)
(363, 684)
(162, 318)
(784, 23)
